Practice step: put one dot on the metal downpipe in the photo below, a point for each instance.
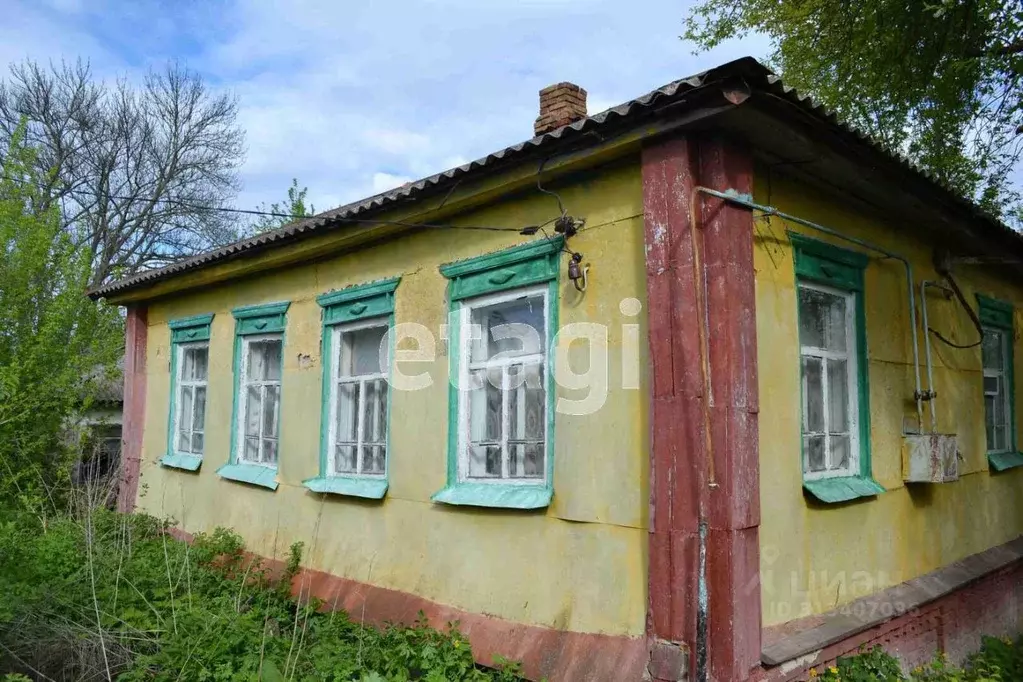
(731, 196)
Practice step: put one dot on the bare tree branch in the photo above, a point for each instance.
(121, 160)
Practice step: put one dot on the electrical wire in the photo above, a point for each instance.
(539, 172)
(969, 311)
(272, 214)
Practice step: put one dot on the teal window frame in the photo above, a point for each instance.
(352, 305)
(821, 263)
(532, 265)
(254, 320)
(998, 315)
(184, 331)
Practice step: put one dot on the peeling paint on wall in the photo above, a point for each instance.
(815, 557)
(535, 568)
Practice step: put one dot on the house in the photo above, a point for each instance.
(97, 428)
(706, 386)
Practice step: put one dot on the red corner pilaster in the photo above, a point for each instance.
(133, 419)
(704, 487)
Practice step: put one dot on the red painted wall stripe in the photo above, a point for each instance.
(133, 419)
(683, 457)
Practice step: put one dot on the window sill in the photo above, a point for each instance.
(495, 495)
(1002, 461)
(181, 461)
(370, 488)
(843, 488)
(250, 473)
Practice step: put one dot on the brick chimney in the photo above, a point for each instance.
(560, 104)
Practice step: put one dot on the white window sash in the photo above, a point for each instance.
(467, 367)
(180, 385)
(1003, 391)
(243, 387)
(851, 358)
(337, 380)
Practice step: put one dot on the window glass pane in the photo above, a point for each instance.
(374, 428)
(822, 319)
(484, 461)
(194, 365)
(253, 408)
(373, 459)
(185, 411)
(257, 362)
(251, 452)
(360, 351)
(525, 460)
(187, 364)
(485, 407)
(265, 360)
(271, 401)
(992, 349)
(999, 438)
(989, 419)
(197, 443)
(838, 396)
(184, 441)
(526, 402)
(1000, 422)
(344, 459)
(813, 448)
(511, 328)
(202, 357)
(813, 395)
(534, 460)
(270, 451)
(840, 452)
(199, 413)
(347, 409)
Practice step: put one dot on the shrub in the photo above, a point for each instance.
(999, 660)
(115, 594)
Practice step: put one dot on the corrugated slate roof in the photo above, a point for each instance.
(755, 73)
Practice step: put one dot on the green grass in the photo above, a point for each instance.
(112, 596)
(999, 660)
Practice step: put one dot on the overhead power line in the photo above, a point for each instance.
(253, 212)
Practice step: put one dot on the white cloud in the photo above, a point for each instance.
(356, 98)
(385, 181)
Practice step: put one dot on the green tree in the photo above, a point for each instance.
(287, 212)
(938, 80)
(52, 337)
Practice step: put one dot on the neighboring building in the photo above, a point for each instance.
(715, 488)
(98, 428)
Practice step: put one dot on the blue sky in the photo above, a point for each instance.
(354, 98)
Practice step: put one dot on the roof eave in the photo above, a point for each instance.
(689, 102)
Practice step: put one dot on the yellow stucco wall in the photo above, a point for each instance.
(815, 557)
(580, 565)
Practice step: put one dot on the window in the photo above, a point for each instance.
(261, 398)
(258, 389)
(501, 412)
(998, 383)
(189, 367)
(996, 358)
(354, 450)
(835, 411)
(192, 365)
(827, 344)
(359, 400)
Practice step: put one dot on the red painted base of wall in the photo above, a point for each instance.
(544, 652)
(953, 624)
